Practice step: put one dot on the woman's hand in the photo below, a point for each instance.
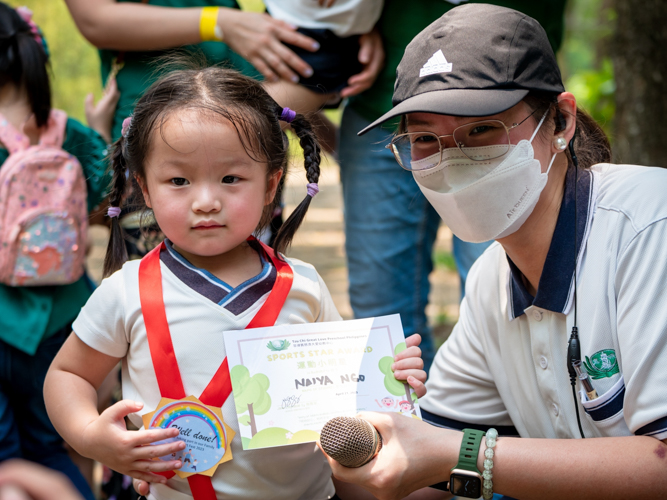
(371, 55)
(259, 39)
(412, 457)
(100, 116)
(107, 440)
(408, 365)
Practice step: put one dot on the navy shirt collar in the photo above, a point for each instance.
(553, 291)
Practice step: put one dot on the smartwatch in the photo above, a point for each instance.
(465, 479)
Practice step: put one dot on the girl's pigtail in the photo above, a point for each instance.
(311, 156)
(116, 251)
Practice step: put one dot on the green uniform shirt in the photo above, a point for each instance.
(30, 314)
(401, 21)
(139, 71)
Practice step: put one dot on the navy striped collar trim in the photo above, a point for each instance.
(235, 300)
(554, 289)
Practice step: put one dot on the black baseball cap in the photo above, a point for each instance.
(476, 60)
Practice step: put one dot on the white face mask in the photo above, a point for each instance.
(484, 200)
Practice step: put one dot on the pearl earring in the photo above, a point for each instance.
(560, 143)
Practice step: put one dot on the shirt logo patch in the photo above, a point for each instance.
(602, 364)
(436, 64)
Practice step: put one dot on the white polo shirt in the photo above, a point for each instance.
(198, 311)
(505, 362)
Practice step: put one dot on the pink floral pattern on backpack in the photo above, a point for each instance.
(43, 208)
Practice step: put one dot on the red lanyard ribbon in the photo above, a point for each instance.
(162, 349)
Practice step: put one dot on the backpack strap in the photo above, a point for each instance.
(13, 140)
(54, 133)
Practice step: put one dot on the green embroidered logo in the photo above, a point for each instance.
(602, 364)
(278, 345)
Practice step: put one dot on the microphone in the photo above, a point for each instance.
(352, 442)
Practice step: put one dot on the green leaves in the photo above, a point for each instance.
(250, 390)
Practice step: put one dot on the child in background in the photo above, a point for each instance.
(337, 25)
(207, 150)
(35, 321)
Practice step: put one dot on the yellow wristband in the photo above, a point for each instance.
(208, 25)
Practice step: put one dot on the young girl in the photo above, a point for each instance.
(36, 320)
(207, 150)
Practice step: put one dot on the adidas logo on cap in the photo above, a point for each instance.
(436, 64)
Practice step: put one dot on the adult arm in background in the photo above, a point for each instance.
(257, 37)
(371, 56)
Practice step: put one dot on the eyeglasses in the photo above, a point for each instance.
(472, 139)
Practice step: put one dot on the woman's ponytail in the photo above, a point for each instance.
(116, 254)
(311, 157)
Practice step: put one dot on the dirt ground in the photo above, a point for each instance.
(321, 242)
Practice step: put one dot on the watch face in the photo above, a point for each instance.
(465, 486)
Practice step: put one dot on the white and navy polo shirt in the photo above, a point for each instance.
(505, 362)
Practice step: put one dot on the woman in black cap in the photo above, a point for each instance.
(560, 333)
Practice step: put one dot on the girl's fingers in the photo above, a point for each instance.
(403, 375)
(418, 386)
(413, 340)
(141, 487)
(407, 364)
(147, 476)
(152, 435)
(157, 450)
(155, 465)
(410, 352)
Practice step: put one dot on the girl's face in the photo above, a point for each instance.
(207, 194)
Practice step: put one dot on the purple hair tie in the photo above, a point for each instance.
(113, 212)
(312, 189)
(287, 115)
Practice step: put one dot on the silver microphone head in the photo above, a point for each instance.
(350, 441)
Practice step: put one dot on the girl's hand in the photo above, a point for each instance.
(408, 365)
(100, 116)
(259, 39)
(107, 440)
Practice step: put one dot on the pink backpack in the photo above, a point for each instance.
(43, 208)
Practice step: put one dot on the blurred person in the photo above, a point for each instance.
(24, 480)
(36, 320)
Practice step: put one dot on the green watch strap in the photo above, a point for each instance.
(472, 438)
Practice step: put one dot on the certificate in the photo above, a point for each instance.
(289, 380)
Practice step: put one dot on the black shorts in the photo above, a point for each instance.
(333, 64)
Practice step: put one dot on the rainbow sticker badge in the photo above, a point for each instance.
(207, 438)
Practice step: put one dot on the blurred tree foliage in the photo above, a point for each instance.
(585, 59)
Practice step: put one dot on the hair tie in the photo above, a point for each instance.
(126, 126)
(26, 14)
(113, 211)
(287, 115)
(312, 189)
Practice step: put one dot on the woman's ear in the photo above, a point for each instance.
(272, 186)
(567, 104)
(144, 190)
